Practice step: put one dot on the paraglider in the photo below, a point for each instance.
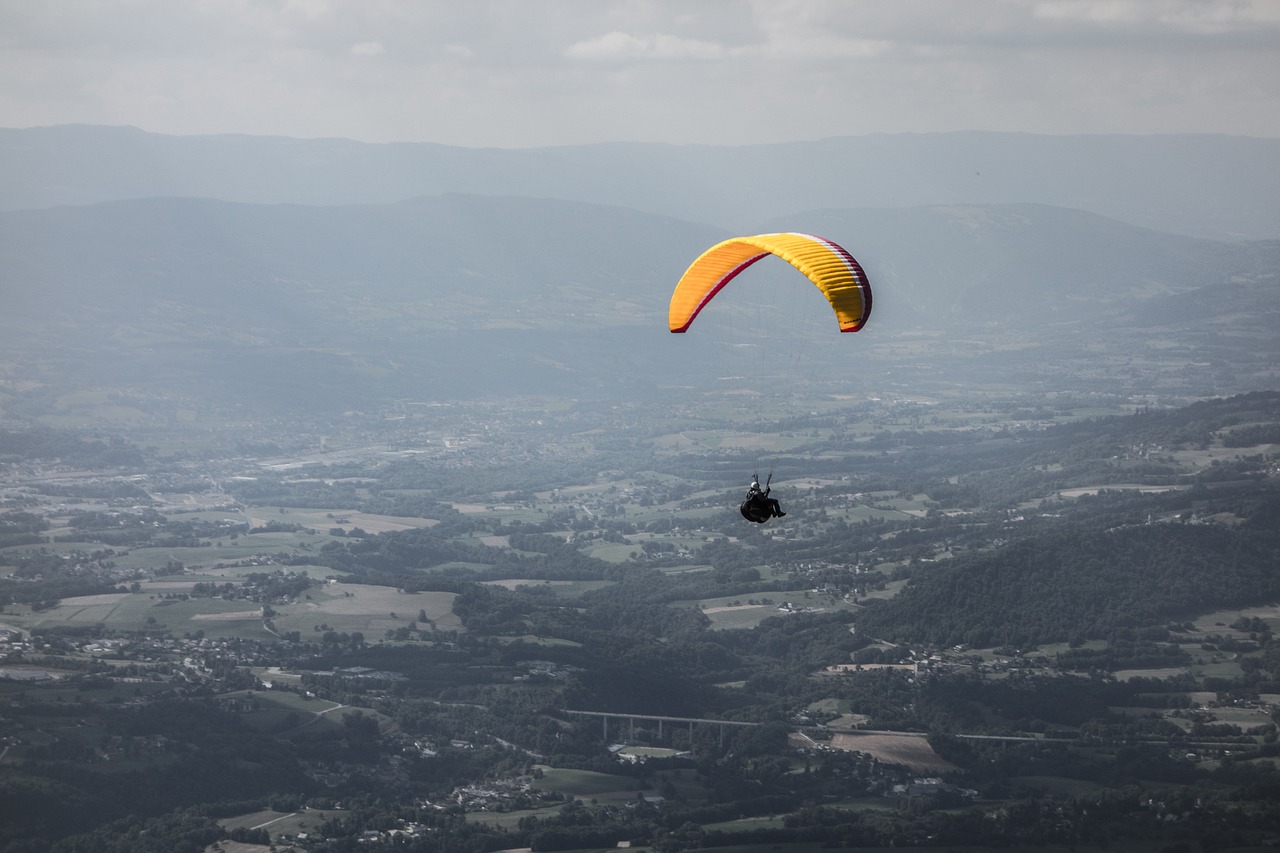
(758, 506)
(825, 263)
(832, 270)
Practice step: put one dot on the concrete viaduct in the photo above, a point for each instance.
(606, 716)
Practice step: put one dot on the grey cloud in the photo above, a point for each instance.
(513, 73)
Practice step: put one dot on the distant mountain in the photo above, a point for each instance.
(448, 296)
(454, 295)
(1029, 265)
(1201, 185)
(431, 264)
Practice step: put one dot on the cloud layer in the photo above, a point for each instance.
(509, 73)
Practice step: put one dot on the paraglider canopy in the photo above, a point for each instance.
(833, 270)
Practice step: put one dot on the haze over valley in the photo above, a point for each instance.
(358, 494)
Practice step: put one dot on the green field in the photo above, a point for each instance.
(134, 611)
(587, 783)
(372, 610)
(1247, 719)
(748, 611)
(344, 608)
(281, 823)
(284, 711)
(1056, 785)
(243, 547)
(561, 589)
(324, 520)
(745, 824)
(649, 751)
(613, 552)
(511, 820)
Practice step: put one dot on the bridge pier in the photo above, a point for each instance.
(660, 720)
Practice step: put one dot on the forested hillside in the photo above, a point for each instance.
(1204, 185)
(1089, 580)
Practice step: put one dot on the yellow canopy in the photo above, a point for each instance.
(826, 264)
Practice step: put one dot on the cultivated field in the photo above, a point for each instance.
(344, 608)
(562, 589)
(278, 823)
(587, 784)
(372, 610)
(325, 519)
(910, 751)
(750, 611)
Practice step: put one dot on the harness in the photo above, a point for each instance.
(754, 509)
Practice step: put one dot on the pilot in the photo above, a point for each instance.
(760, 497)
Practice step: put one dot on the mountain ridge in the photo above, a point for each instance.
(1208, 185)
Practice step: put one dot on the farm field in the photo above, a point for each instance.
(747, 823)
(285, 711)
(845, 718)
(510, 820)
(371, 610)
(587, 784)
(1220, 621)
(562, 589)
(242, 548)
(280, 823)
(910, 751)
(1056, 785)
(749, 611)
(129, 611)
(323, 520)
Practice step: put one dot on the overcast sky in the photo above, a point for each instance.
(527, 73)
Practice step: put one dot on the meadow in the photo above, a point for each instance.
(587, 784)
(278, 823)
(339, 607)
(910, 751)
(371, 610)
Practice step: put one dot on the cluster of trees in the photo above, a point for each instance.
(262, 587)
(21, 528)
(65, 446)
(59, 576)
